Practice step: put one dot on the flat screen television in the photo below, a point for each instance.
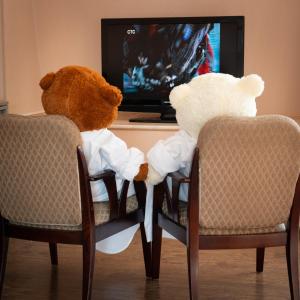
(147, 57)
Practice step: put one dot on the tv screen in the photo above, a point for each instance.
(147, 57)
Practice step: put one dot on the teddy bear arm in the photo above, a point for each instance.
(143, 172)
(153, 176)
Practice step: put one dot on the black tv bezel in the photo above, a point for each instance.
(162, 105)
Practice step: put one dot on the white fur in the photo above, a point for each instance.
(179, 94)
(214, 94)
(153, 176)
(252, 85)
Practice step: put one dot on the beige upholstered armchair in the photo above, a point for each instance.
(244, 192)
(46, 196)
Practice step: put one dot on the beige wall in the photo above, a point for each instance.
(22, 70)
(43, 35)
(2, 91)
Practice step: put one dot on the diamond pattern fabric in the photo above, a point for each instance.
(221, 231)
(248, 172)
(101, 211)
(39, 173)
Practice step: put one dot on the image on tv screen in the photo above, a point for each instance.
(158, 57)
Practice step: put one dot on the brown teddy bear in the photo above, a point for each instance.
(84, 96)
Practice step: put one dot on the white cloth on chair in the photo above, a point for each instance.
(170, 155)
(166, 156)
(103, 150)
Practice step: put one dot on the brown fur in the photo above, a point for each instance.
(143, 172)
(82, 95)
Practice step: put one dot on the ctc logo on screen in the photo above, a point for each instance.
(130, 31)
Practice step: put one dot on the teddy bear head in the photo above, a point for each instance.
(214, 94)
(82, 95)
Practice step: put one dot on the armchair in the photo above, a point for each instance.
(244, 192)
(46, 195)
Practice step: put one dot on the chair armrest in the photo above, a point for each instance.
(173, 199)
(108, 177)
(178, 177)
(101, 175)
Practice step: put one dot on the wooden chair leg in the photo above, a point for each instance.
(193, 269)
(292, 265)
(158, 197)
(260, 257)
(53, 253)
(3, 254)
(88, 250)
(146, 251)
(156, 250)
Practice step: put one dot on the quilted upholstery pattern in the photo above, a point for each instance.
(38, 166)
(101, 211)
(248, 172)
(221, 231)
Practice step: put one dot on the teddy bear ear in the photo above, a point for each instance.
(111, 94)
(252, 85)
(178, 95)
(47, 80)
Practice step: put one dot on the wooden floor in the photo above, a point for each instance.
(224, 274)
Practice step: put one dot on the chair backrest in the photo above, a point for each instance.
(39, 171)
(248, 171)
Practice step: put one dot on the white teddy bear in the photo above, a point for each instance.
(203, 98)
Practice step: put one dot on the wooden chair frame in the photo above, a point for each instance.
(90, 233)
(190, 235)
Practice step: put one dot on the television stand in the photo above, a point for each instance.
(163, 118)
